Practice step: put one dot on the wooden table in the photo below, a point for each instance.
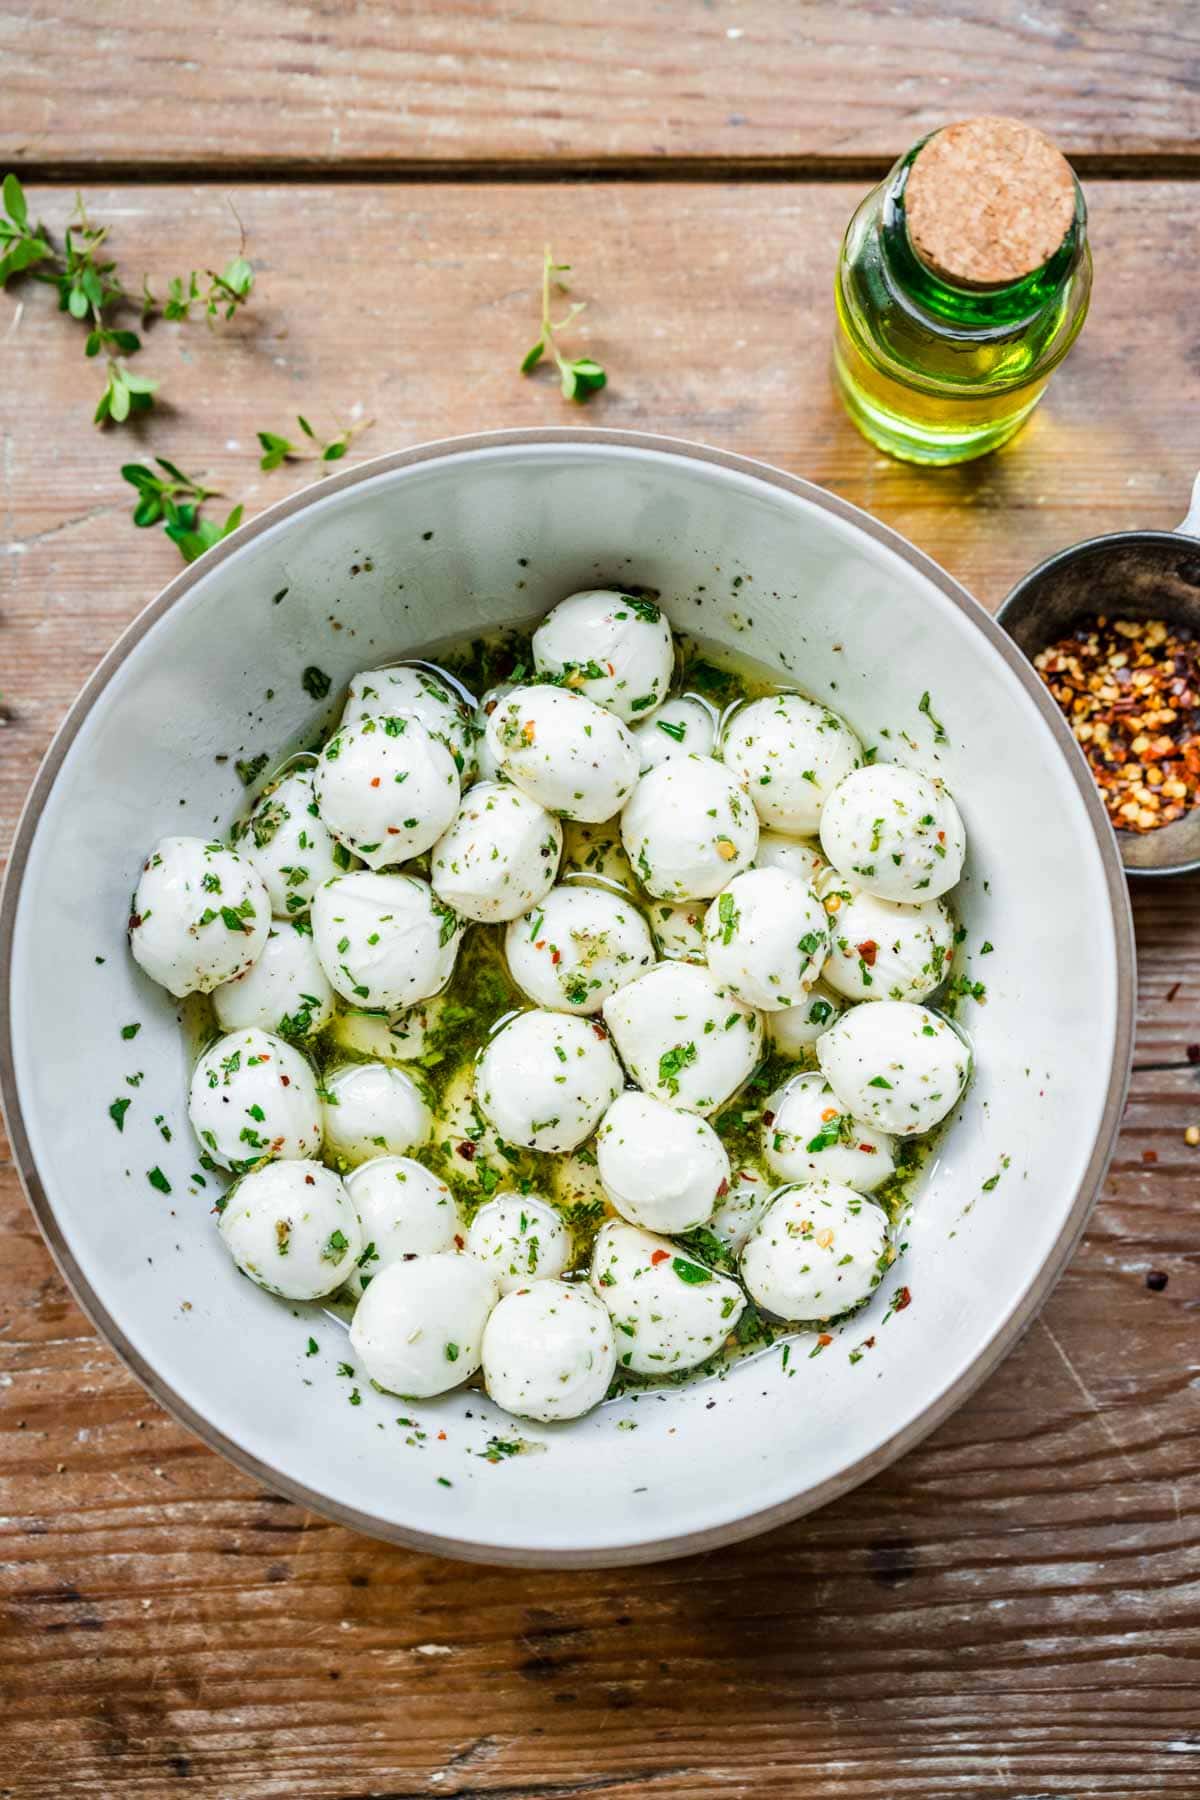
(1012, 1610)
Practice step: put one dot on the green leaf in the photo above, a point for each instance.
(305, 427)
(139, 384)
(103, 407)
(173, 472)
(570, 387)
(693, 1273)
(138, 475)
(126, 340)
(148, 510)
(533, 357)
(24, 253)
(334, 452)
(93, 289)
(77, 303)
(239, 276)
(93, 344)
(118, 404)
(14, 201)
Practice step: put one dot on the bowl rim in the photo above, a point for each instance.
(1105, 540)
(1023, 1308)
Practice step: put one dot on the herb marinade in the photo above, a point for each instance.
(439, 1041)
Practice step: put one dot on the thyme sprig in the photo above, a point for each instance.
(176, 500)
(277, 449)
(579, 377)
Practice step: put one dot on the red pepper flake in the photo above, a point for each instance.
(285, 1081)
(309, 1182)
(467, 1150)
(556, 956)
(658, 1256)
(599, 1031)
(135, 920)
(441, 1437)
(374, 781)
(831, 1112)
(722, 1190)
(529, 732)
(824, 1339)
(1149, 1156)
(903, 1299)
(869, 1149)
(460, 1243)
(393, 831)
(768, 1118)
(869, 950)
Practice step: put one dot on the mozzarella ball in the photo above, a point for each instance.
(385, 940)
(818, 1251)
(288, 844)
(789, 753)
(486, 766)
(545, 1080)
(738, 1211)
(291, 1227)
(807, 1137)
(670, 1310)
(253, 1097)
(796, 856)
(371, 1109)
(412, 691)
(765, 937)
(899, 834)
(610, 646)
(797, 1028)
(882, 949)
(402, 1211)
(549, 1351)
(683, 1037)
(661, 1168)
(564, 751)
(679, 930)
(577, 947)
(499, 856)
(200, 915)
(521, 1239)
(286, 990)
(681, 727)
(897, 1065)
(688, 829)
(386, 788)
(418, 1329)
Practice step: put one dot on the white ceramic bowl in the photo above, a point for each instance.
(446, 540)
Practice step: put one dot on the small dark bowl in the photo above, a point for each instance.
(1132, 574)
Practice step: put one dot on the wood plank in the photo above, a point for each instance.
(1010, 1611)
(269, 84)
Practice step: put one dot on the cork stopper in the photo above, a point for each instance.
(988, 201)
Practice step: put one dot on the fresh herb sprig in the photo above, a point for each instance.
(176, 499)
(580, 377)
(90, 289)
(277, 449)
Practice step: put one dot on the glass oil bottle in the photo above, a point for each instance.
(962, 283)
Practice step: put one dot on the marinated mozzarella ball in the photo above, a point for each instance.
(766, 937)
(286, 990)
(790, 754)
(385, 940)
(564, 751)
(252, 1097)
(660, 1168)
(896, 1064)
(409, 690)
(521, 1239)
(898, 833)
(288, 844)
(670, 1310)
(738, 1211)
(418, 1329)
(681, 727)
(793, 1030)
(545, 1080)
(795, 855)
(371, 1109)
(882, 949)
(688, 828)
(578, 947)
(291, 1227)
(486, 766)
(679, 930)
(549, 1351)
(683, 1037)
(807, 1137)
(402, 1211)
(818, 1251)
(612, 647)
(200, 916)
(386, 788)
(499, 856)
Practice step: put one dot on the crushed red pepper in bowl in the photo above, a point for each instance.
(1130, 691)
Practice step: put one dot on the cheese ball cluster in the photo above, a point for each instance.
(561, 1030)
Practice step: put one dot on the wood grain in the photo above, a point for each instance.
(367, 84)
(1011, 1611)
